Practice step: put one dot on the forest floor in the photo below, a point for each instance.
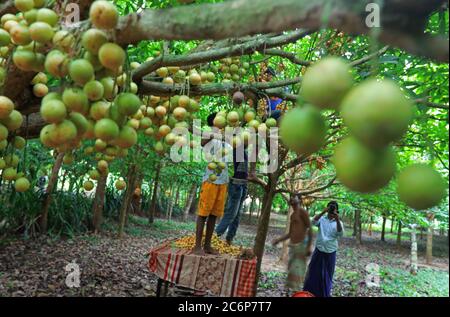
(111, 267)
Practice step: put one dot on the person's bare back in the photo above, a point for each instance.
(299, 225)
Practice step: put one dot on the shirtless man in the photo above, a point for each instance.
(299, 251)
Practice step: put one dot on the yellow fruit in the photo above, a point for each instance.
(111, 56)
(22, 185)
(6, 107)
(93, 39)
(103, 14)
(88, 186)
(40, 90)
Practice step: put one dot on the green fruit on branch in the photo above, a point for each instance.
(303, 130)
(362, 169)
(19, 142)
(128, 103)
(56, 64)
(106, 129)
(6, 107)
(80, 122)
(75, 99)
(13, 121)
(120, 184)
(9, 174)
(5, 38)
(68, 158)
(47, 16)
(24, 5)
(220, 122)
(3, 133)
(377, 113)
(22, 185)
(326, 82)
(81, 71)
(127, 137)
(41, 32)
(421, 187)
(94, 90)
(53, 111)
(93, 39)
(88, 186)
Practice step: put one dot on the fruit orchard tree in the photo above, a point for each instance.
(364, 86)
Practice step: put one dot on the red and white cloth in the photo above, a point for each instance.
(221, 275)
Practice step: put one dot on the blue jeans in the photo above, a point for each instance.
(233, 209)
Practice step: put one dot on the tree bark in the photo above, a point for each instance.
(189, 201)
(127, 200)
(399, 234)
(52, 183)
(414, 263)
(99, 200)
(263, 224)
(152, 211)
(429, 251)
(250, 212)
(383, 229)
(358, 226)
(392, 224)
(402, 22)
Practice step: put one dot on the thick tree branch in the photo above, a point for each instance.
(402, 22)
(160, 89)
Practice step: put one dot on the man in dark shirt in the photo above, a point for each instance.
(237, 193)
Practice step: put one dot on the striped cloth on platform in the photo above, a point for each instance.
(220, 275)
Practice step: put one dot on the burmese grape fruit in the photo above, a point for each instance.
(6, 107)
(421, 187)
(127, 137)
(326, 82)
(53, 111)
(88, 186)
(103, 14)
(13, 121)
(120, 184)
(22, 185)
(377, 113)
(24, 5)
(94, 90)
(41, 32)
(362, 169)
(93, 39)
(106, 129)
(303, 130)
(81, 71)
(75, 99)
(111, 56)
(128, 103)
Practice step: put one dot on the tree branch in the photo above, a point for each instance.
(257, 43)
(402, 22)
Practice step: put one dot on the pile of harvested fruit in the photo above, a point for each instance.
(188, 242)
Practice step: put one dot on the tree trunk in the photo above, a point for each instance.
(174, 202)
(52, 183)
(383, 229)
(421, 233)
(429, 251)
(358, 226)
(152, 211)
(250, 213)
(99, 200)
(127, 200)
(413, 268)
(258, 211)
(392, 224)
(189, 201)
(399, 235)
(263, 225)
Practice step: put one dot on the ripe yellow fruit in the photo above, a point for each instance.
(40, 90)
(103, 14)
(111, 56)
(22, 185)
(6, 107)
